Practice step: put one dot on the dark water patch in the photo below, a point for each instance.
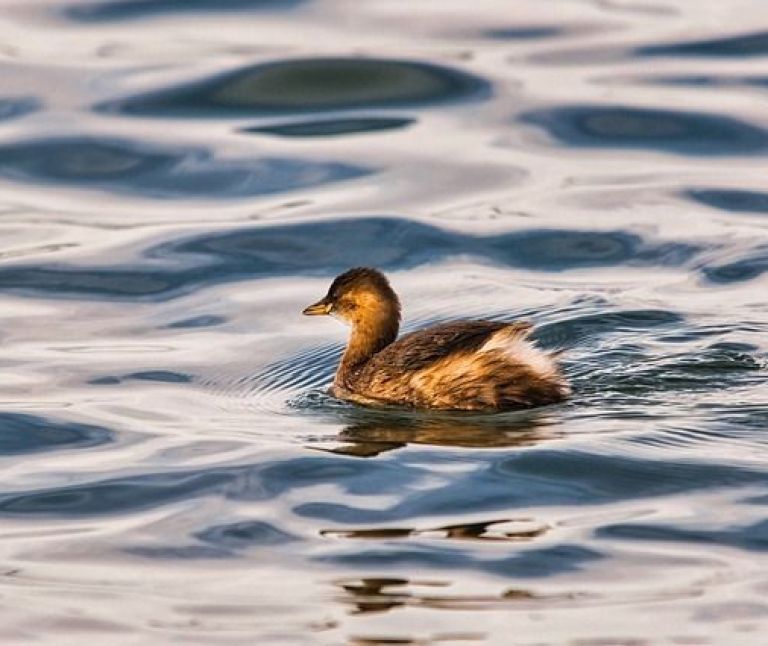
(756, 500)
(524, 33)
(178, 552)
(120, 495)
(747, 45)
(134, 168)
(95, 11)
(752, 538)
(326, 248)
(164, 376)
(396, 243)
(543, 477)
(204, 320)
(596, 478)
(738, 46)
(245, 534)
(559, 250)
(333, 127)
(104, 381)
(751, 266)
(703, 80)
(115, 496)
(94, 283)
(735, 200)
(12, 108)
(21, 433)
(309, 85)
(533, 563)
(682, 133)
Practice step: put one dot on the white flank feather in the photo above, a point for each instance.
(521, 351)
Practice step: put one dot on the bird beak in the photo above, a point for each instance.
(321, 308)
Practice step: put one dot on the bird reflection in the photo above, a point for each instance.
(511, 530)
(371, 433)
(382, 594)
(374, 594)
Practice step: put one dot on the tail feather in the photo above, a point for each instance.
(507, 371)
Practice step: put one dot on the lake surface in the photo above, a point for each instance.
(179, 179)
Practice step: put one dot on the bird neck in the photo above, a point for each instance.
(368, 337)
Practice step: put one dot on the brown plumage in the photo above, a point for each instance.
(462, 365)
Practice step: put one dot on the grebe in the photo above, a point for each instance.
(463, 365)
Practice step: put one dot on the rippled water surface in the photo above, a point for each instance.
(180, 178)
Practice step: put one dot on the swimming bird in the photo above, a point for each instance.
(470, 365)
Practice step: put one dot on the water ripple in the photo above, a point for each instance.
(671, 131)
(122, 495)
(752, 538)
(132, 167)
(752, 264)
(329, 247)
(738, 46)
(731, 200)
(18, 107)
(533, 563)
(245, 534)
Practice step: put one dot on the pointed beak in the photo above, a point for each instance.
(321, 308)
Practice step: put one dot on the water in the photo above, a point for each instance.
(179, 179)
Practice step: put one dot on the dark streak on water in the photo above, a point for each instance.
(332, 127)
(734, 46)
(173, 467)
(751, 537)
(97, 11)
(739, 45)
(524, 33)
(683, 133)
(707, 81)
(12, 108)
(736, 200)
